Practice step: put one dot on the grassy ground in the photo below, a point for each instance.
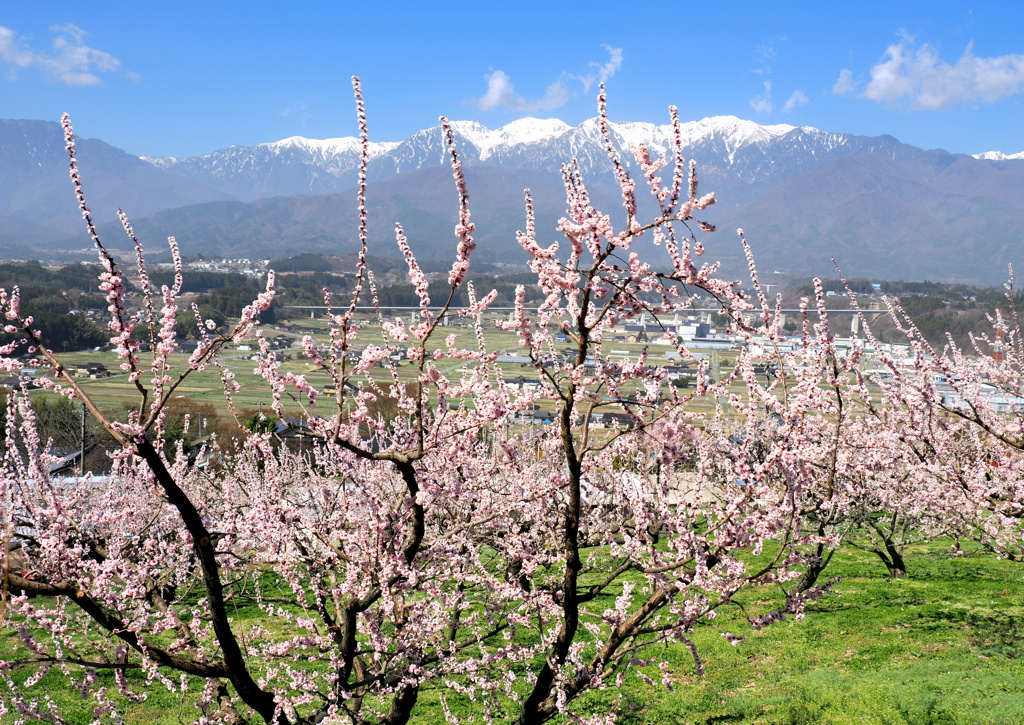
(943, 646)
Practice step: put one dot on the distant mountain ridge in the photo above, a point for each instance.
(880, 207)
(293, 165)
(35, 187)
(740, 152)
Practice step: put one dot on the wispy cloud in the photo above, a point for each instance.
(799, 98)
(297, 110)
(70, 61)
(845, 83)
(913, 76)
(601, 72)
(501, 92)
(762, 102)
(10, 51)
(764, 55)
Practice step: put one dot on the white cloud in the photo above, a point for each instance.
(602, 71)
(501, 93)
(762, 103)
(70, 61)
(915, 77)
(799, 98)
(844, 84)
(764, 54)
(297, 110)
(10, 52)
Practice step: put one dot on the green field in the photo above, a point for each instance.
(114, 392)
(945, 645)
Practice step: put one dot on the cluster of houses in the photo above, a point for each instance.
(91, 370)
(277, 342)
(248, 267)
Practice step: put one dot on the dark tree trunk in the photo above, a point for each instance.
(893, 560)
(892, 557)
(816, 564)
(810, 577)
(402, 705)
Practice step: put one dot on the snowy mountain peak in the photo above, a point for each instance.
(476, 133)
(531, 130)
(638, 132)
(737, 130)
(327, 146)
(299, 165)
(331, 145)
(734, 131)
(521, 131)
(999, 156)
(161, 162)
(512, 138)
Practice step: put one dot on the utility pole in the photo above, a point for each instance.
(81, 448)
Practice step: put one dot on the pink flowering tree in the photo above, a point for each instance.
(855, 431)
(455, 556)
(856, 506)
(957, 416)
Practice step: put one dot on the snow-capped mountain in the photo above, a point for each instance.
(999, 156)
(732, 152)
(880, 207)
(293, 165)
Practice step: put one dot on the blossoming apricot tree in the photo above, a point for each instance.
(958, 417)
(453, 556)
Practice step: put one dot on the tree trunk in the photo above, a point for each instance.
(401, 705)
(893, 559)
(810, 577)
(815, 566)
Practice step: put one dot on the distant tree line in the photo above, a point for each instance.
(199, 280)
(306, 262)
(938, 310)
(222, 302)
(57, 299)
(70, 278)
(308, 289)
(954, 293)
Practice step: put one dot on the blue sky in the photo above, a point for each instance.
(187, 78)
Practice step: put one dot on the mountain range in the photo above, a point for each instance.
(878, 207)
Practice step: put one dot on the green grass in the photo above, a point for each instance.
(944, 646)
